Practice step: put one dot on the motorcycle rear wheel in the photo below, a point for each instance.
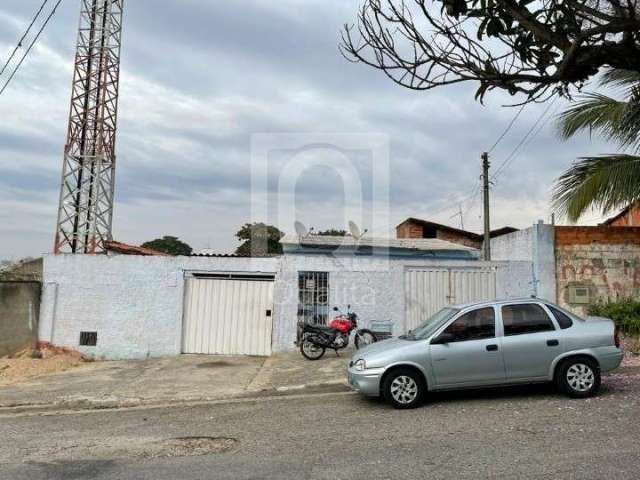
(310, 350)
(364, 338)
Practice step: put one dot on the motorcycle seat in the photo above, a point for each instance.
(318, 328)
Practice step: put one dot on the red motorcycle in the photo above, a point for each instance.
(316, 339)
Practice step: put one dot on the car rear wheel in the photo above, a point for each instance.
(404, 388)
(579, 377)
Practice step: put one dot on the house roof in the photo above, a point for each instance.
(126, 249)
(416, 244)
(472, 235)
(624, 212)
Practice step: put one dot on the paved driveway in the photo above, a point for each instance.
(182, 378)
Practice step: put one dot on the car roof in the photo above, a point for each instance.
(502, 301)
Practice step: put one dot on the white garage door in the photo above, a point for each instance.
(427, 290)
(228, 316)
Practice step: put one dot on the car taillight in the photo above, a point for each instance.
(616, 337)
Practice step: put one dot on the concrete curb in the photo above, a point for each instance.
(88, 404)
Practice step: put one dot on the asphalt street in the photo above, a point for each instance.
(530, 432)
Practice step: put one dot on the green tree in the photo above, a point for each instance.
(332, 232)
(169, 245)
(259, 240)
(535, 48)
(606, 182)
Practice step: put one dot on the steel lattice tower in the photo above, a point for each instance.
(88, 173)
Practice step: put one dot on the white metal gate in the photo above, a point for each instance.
(427, 290)
(228, 316)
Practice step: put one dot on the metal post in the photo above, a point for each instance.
(487, 220)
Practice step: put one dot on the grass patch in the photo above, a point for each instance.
(625, 313)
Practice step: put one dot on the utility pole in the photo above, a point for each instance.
(487, 219)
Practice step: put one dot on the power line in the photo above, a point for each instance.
(15, 50)
(461, 201)
(513, 121)
(4, 87)
(514, 152)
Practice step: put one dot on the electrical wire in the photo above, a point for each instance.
(15, 50)
(31, 45)
(513, 121)
(515, 151)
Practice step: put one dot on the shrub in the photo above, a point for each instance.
(625, 313)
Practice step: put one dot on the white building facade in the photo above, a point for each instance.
(133, 307)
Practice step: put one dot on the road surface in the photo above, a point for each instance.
(511, 433)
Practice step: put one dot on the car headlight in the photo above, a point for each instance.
(360, 365)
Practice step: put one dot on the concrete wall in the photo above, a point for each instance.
(604, 259)
(29, 271)
(134, 303)
(19, 310)
(375, 287)
(536, 245)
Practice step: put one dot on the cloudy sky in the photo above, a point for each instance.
(201, 78)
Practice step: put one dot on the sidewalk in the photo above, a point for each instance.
(187, 378)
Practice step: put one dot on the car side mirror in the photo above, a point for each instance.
(443, 339)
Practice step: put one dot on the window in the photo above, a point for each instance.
(474, 325)
(88, 339)
(313, 297)
(527, 318)
(563, 319)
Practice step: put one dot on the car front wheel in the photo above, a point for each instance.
(579, 377)
(404, 388)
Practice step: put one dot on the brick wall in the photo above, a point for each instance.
(409, 230)
(604, 259)
(629, 219)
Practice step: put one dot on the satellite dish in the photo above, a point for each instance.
(301, 230)
(355, 231)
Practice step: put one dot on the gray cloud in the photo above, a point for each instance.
(200, 78)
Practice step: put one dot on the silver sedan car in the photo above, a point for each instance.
(489, 344)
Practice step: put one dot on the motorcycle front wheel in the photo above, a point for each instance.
(364, 338)
(310, 350)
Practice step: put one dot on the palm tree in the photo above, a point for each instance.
(605, 182)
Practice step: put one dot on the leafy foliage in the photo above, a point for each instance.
(259, 240)
(606, 182)
(625, 313)
(536, 48)
(169, 245)
(332, 232)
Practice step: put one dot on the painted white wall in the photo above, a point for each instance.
(136, 303)
(535, 244)
(374, 287)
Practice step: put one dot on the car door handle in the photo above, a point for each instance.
(553, 343)
(492, 348)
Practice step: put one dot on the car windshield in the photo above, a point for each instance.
(431, 324)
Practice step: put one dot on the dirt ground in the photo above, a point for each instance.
(631, 347)
(23, 367)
